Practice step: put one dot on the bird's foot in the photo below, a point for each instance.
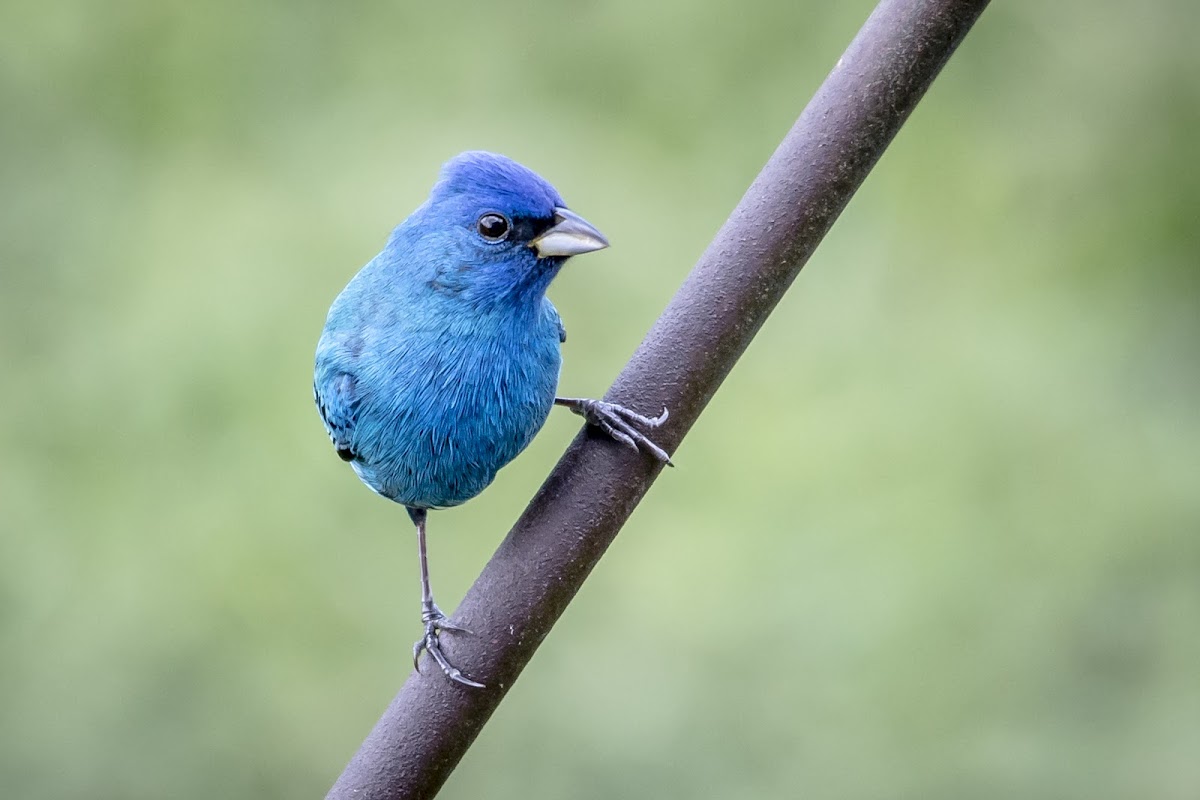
(436, 621)
(618, 422)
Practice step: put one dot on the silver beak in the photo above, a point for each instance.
(571, 235)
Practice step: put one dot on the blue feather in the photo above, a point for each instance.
(439, 361)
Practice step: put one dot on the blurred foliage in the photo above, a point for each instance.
(936, 537)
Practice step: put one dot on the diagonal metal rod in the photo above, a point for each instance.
(682, 361)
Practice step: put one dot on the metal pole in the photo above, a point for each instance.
(683, 360)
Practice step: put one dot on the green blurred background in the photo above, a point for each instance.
(936, 537)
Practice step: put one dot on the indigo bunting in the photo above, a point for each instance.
(440, 359)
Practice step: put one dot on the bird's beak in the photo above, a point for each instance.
(571, 235)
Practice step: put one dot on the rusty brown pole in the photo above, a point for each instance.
(683, 360)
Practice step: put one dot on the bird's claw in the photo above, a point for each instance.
(436, 621)
(618, 422)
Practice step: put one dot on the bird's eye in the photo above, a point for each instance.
(493, 227)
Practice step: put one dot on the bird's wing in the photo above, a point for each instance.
(552, 312)
(337, 401)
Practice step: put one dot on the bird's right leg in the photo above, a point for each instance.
(431, 615)
(619, 422)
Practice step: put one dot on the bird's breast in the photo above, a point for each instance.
(447, 411)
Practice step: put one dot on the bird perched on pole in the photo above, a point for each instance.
(439, 360)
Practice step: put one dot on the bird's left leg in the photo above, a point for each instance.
(618, 422)
(431, 615)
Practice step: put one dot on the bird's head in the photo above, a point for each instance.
(497, 231)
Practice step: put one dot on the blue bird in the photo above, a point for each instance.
(440, 359)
